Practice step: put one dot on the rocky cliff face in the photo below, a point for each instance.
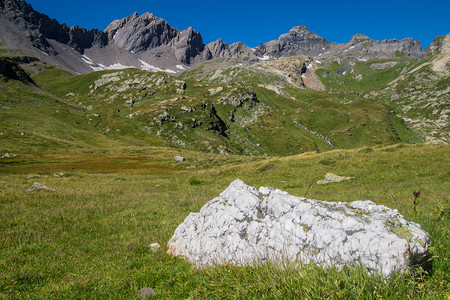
(140, 33)
(187, 45)
(217, 49)
(38, 28)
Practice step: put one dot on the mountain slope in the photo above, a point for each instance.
(238, 116)
(422, 95)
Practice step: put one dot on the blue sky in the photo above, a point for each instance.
(255, 22)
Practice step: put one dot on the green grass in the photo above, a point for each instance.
(372, 80)
(90, 238)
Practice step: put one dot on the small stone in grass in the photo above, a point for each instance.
(179, 159)
(39, 186)
(145, 292)
(154, 246)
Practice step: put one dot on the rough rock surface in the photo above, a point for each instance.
(244, 225)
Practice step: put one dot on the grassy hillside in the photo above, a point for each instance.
(90, 238)
(345, 112)
(32, 119)
(240, 116)
(416, 91)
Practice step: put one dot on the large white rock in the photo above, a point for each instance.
(245, 225)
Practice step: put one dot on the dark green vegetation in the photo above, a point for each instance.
(90, 238)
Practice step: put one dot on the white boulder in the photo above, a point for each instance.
(245, 225)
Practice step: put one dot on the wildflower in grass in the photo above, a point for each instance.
(415, 200)
(263, 259)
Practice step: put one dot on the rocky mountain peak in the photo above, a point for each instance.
(299, 40)
(38, 28)
(217, 49)
(300, 32)
(358, 38)
(139, 33)
(187, 44)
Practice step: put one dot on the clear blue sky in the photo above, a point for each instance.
(255, 22)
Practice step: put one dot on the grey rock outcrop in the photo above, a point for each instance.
(359, 38)
(244, 225)
(238, 51)
(217, 49)
(440, 45)
(242, 52)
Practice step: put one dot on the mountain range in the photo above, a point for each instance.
(141, 81)
(150, 43)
